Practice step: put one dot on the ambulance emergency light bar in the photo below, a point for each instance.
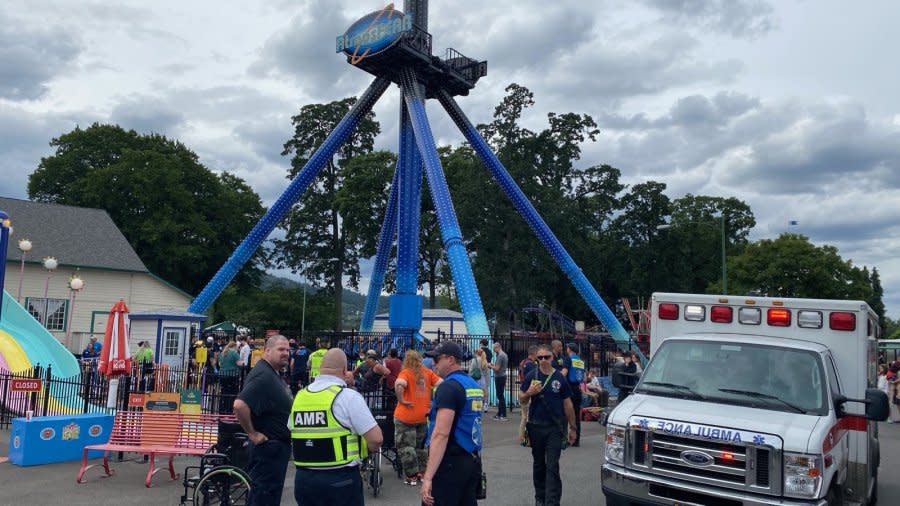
(775, 316)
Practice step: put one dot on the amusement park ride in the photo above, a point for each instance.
(395, 47)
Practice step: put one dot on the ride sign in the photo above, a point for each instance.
(373, 34)
(25, 385)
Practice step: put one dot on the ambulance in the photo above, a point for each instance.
(750, 401)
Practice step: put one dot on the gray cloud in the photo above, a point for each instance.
(147, 115)
(30, 57)
(25, 138)
(739, 18)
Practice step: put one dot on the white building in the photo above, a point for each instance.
(87, 242)
(445, 321)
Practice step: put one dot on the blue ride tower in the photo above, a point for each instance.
(395, 47)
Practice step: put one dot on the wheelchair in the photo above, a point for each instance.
(221, 478)
(382, 405)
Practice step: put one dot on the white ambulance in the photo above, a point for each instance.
(750, 400)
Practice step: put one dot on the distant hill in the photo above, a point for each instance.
(351, 301)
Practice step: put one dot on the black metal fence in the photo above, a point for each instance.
(92, 392)
(89, 392)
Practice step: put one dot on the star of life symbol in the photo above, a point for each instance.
(759, 440)
(643, 423)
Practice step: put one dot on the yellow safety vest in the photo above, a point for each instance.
(315, 362)
(318, 439)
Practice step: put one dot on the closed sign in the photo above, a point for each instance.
(25, 385)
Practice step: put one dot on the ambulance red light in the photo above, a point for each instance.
(668, 311)
(840, 320)
(721, 314)
(778, 317)
(727, 456)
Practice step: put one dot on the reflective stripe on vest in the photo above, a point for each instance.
(576, 372)
(318, 439)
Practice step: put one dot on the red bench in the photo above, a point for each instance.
(154, 433)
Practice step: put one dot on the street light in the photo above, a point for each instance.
(75, 286)
(50, 263)
(721, 219)
(24, 246)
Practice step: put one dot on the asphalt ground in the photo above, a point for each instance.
(508, 467)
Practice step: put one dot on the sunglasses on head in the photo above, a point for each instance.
(544, 357)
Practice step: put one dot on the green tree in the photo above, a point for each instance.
(324, 239)
(876, 301)
(182, 219)
(277, 307)
(510, 263)
(696, 233)
(791, 266)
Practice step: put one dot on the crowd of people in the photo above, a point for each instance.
(889, 382)
(316, 407)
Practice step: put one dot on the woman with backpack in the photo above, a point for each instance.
(478, 370)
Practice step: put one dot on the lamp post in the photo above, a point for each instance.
(24, 246)
(50, 263)
(75, 286)
(5, 230)
(721, 219)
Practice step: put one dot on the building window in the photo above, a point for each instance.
(171, 342)
(55, 309)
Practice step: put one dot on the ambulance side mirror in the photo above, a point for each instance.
(876, 401)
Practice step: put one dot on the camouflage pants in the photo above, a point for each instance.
(410, 442)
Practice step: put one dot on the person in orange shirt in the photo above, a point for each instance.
(413, 387)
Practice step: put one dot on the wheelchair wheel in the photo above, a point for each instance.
(224, 485)
(373, 473)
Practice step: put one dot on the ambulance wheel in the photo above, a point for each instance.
(834, 497)
(874, 499)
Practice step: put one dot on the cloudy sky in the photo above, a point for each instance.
(789, 105)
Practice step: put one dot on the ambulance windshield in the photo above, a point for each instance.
(768, 377)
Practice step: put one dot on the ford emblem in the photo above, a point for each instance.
(697, 458)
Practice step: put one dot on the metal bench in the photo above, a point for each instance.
(153, 433)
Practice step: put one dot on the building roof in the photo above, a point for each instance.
(76, 236)
(167, 314)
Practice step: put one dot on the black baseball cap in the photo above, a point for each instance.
(446, 348)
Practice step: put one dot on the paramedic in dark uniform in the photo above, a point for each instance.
(548, 394)
(332, 429)
(453, 472)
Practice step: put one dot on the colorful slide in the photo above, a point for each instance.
(24, 343)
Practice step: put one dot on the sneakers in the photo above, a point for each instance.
(499, 418)
(412, 481)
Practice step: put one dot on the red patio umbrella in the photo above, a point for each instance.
(115, 358)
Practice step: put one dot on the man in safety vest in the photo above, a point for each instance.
(315, 360)
(332, 429)
(575, 376)
(453, 473)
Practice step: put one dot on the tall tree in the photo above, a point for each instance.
(182, 219)
(319, 243)
(512, 266)
(876, 301)
(791, 266)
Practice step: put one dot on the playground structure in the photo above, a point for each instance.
(24, 342)
(395, 47)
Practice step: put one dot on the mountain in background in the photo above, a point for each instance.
(353, 303)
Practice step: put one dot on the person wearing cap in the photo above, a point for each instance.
(371, 372)
(453, 472)
(575, 376)
(332, 430)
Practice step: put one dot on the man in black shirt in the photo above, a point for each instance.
(454, 437)
(262, 408)
(549, 396)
